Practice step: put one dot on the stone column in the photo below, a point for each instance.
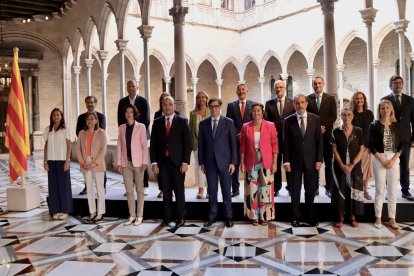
(89, 63)
(36, 131)
(178, 13)
(194, 81)
(121, 44)
(340, 68)
(103, 56)
(241, 82)
(329, 48)
(167, 81)
(412, 76)
(219, 83)
(137, 78)
(400, 28)
(261, 81)
(368, 16)
(376, 97)
(310, 72)
(145, 32)
(408, 88)
(67, 100)
(76, 71)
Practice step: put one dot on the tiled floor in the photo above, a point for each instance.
(31, 243)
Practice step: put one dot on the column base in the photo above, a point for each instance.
(38, 142)
(23, 198)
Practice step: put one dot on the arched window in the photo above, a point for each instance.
(227, 4)
(249, 4)
(272, 85)
(289, 87)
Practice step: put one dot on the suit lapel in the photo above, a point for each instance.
(219, 127)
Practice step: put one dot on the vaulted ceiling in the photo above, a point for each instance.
(36, 10)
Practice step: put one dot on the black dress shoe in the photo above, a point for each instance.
(328, 193)
(313, 222)
(83, 192)
(295, 223)
(276, 193)
(233, 194)
(209, 223)
(180, 223)
(408, 196)
(165, 222)
(229, 223)
(317, 192)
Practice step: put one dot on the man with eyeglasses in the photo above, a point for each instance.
(239, 112)
(217, 156)
(404, 113)
(90, 102)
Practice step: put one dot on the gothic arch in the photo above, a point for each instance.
(343, 45)
(314, 50)
(244, 64)
(90, 27)
(265, 59)
(67, 56)
(121, 16)
(161, 58)
(379, 38)
(213, 62)
(236, 64)
(79, 46)
(107, 11)
(289, 52)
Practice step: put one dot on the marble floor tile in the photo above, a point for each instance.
(70, 268)
(391, 271)
(312, 252)
(219, 271)
(141, 230)
(246, 231)
(51, 245)
(28, 214)
(34, 226)
(168, 250)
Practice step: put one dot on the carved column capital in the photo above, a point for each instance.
(34, 72)
(121, 44)
(400, 26)
(310, 72)
(194, 80)
(219, 82)
(89, 62)
(178, 14)
(376, 62)
(368, 15)
(167, 80)
(262, 80)
(340, 67)
(241, 82)
(76, 69)
(145, 31)
(103, 55)
(284, 76)
(327, 6)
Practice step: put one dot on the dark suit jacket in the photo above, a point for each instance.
(233, 112)
(178, 142)
(143, 108)
(220, 151)
(272, 115)
(327, 111)
(302, 153)
(81, 123)
(405, 116)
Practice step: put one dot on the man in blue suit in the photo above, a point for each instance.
(217, 156)
(239, 112)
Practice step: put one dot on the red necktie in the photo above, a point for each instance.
(167, 132)
(242, 109)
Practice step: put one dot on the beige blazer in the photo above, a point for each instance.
(139, 148)
(98, 150)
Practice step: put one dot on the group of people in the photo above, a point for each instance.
(252, 138)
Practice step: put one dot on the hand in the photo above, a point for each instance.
(274, 168)
(203, 169)
(155, 169)
(66, 166)
(143, 167)
(318, 165)
(183, 168)
(390, 163)
(323, 129)
(385, 163)
(120, 169)
(287, 168)
(242, 168)
(46, 166)
(231, 168)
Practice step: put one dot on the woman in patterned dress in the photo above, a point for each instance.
(258, 158)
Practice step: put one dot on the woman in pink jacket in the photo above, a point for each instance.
(132, 160)
(90, 150)
(258, 157)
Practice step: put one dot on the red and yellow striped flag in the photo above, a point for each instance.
(17, 132)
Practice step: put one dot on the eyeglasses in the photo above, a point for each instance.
(214, 106)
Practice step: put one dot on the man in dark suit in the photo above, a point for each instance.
(143, 114)
(217, 156)
(404, 113)
(170, 152)
(239, 112)
(324, 106)
(90, 102)
(302, 156)
(276, 110)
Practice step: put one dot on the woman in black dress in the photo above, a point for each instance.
(348, 147)
(363, 117)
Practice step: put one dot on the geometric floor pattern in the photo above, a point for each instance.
(31, 243)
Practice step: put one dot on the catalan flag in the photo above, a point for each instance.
(17, 132)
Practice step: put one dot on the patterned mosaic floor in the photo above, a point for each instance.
(31, 243)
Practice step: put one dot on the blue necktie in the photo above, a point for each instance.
(214, 128)
(318, 102)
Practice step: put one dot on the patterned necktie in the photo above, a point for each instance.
(242, 109)
(398, 101)
(318, 102)
(214, 127)
(280, 108)
(302, 126)
(167, 132)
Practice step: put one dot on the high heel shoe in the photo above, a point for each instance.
(339, 224)
(354, 223)
(98, 218)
